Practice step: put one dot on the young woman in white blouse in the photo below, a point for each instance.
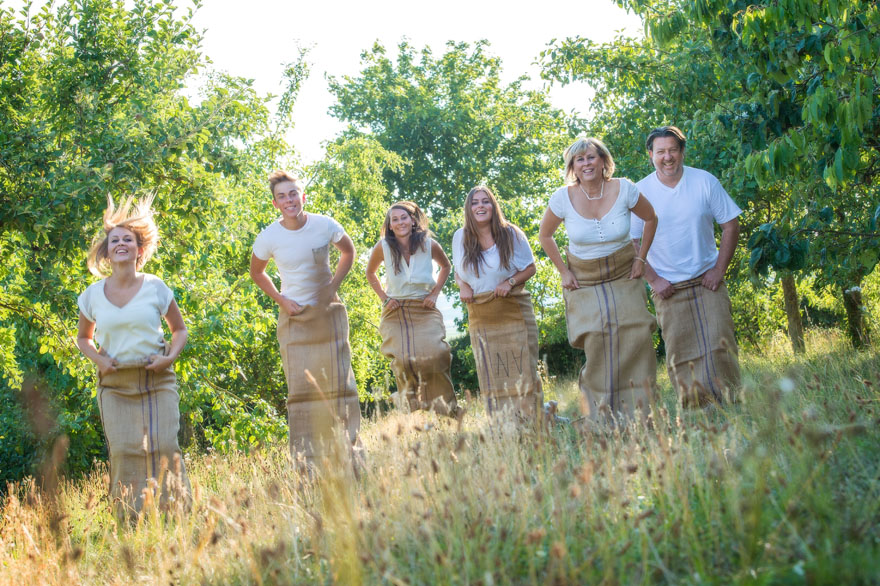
(413, 334)
(493, 260)
(137, 388)
(606, 311)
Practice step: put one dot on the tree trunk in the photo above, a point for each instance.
(793, 313)
(855, 319)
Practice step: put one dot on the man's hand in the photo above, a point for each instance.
(662, 287)
(713, 278)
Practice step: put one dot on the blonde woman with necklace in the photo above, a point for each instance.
(137, 388)
(605, 300)
(413, 334)
(493, 260)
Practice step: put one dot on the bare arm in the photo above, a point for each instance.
(179, 336)
(729, 238)
(346, 260)
(439, 257)
(259, 276)
(377, 257)
(504, 287)
(644, 211)
(549, 224)
(86, 344)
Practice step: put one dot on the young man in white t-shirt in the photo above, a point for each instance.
(686, 269)
(312, 321)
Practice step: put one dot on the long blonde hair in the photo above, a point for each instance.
(502, 233)
(133, 215)
(417, 238)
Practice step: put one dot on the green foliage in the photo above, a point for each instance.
(778, 100)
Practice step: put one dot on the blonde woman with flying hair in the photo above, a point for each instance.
(137, 388)
(493, 260)
(413, 334)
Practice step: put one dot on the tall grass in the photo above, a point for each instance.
(784, 487)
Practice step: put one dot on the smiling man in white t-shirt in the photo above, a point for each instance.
(686, 270)
(312, 321)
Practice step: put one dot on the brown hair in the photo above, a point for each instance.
(135, 216)
(417, 238)
(664, 131)
(580, 147)
(502, 233)
(280, 177)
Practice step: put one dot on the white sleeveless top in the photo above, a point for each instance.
(416, 277)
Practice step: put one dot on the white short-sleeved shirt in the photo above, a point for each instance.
(416, 277)
(302, 256)
(132, 332)
(684, 247)
(491, 271)
(590, 238)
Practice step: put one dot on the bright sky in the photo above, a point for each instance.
(255, 39)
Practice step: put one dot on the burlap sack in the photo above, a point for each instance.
(414, 338)
(701, 351)
(321, 390)
(504, 337)
(608, 318)
(141, 417)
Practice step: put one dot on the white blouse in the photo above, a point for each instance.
(491, 271)
(416, 277)
(590, 238)
(134, 331)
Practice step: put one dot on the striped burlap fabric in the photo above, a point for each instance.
(321, 390)
(141, 417)
(608, 318)
(504, 337)
(414, 338)
(701, 350)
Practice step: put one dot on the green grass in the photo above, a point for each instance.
(782, 488)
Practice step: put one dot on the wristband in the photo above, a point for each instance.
(641, 259)
(387, 299)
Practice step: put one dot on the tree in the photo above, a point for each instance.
(797, 81)
(92, 104)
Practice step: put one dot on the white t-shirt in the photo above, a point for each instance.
(590, 238)
(491, 271)
(132, 332)
(302, 256)
(684, 247)
(415, 279)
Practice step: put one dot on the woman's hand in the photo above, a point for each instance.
(466, 293)
(569, 281)
(430, 300)
(158, 362)
(391, 303)
(503, 288)
(290, 306)
(638, 269)
(105, 364)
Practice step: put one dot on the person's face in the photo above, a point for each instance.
(667, 156)
(481, 207)
(122, 245)
(402, 223)
(588, 166)
(289, 199)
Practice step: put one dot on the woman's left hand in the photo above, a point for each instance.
(503, 289)
(158, 362)
(430, 301)
(638, 269)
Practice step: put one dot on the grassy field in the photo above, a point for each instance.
(782, 488)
